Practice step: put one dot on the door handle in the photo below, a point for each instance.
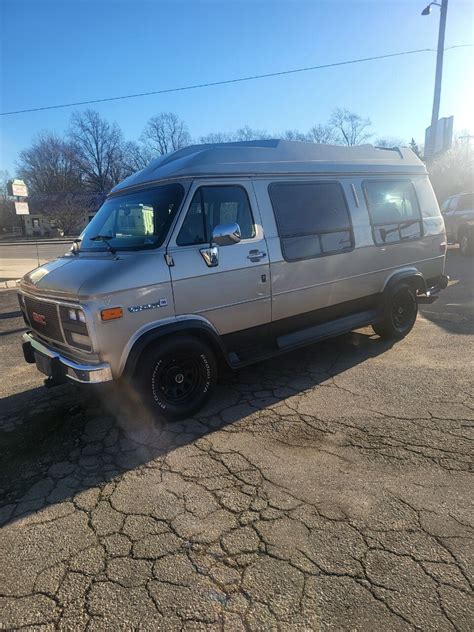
(256, 255)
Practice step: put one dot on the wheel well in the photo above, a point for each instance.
(415, 280)
(142, 345)
(207, 337)
(417, 283)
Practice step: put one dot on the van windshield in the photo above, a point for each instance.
(133, 221)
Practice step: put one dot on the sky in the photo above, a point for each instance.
(58, 51)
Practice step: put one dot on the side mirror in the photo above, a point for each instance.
(226, 234)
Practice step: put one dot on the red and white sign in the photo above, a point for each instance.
(17, 188)
(21, 208)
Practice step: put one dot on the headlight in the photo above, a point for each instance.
(80, 339)
(74, 324)
(76, 315)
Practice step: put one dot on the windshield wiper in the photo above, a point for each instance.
(105, 239)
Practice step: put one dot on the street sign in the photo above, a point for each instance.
(443, 136)
(21, 208)
(17, 188)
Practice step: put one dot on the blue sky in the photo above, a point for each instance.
(60, 51)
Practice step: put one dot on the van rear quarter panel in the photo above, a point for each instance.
(311, 284)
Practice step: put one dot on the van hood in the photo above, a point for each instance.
(85, 276)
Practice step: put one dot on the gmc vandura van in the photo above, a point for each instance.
(232, 253)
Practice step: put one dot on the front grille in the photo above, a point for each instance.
(44, 318)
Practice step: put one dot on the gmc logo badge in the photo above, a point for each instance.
(39, 318)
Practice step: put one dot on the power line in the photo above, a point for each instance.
(228, 81)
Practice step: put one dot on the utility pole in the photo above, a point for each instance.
(429, 151)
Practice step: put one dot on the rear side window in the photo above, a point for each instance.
(394, 210)
(312, 218)
(211, 206)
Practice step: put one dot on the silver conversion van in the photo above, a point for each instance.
(234, 253)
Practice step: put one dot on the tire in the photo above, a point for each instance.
(399, 313)
(466, 243)
(177, 376)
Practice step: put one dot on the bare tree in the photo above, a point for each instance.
(164, 133)
(64, 213)
(294, 134)
(242, 134)
(98, 145)
(136, 156)
(351, 128)
(50, 165)
(216, 137)
(389, 142)
(248, 133)
(453, 171)
(8, 218)
(323, 134)
(5, 178)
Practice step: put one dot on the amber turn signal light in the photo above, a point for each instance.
(111, 313)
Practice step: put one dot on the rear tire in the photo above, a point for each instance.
(466, 243)
(177, 376)
(399, 313)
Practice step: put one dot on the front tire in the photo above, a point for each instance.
(399, 313)
(177, 376)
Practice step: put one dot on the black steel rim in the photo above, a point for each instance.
(177, 379)
(402, 310)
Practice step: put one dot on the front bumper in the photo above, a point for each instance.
(60, 369)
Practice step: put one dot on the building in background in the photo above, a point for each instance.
(60, 214)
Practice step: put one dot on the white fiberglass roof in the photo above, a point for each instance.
(273, 157)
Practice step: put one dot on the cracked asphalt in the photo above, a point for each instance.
(329, 489)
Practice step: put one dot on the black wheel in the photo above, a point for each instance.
(466, 243)
(176, 376)
(399, 313)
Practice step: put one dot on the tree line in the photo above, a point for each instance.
(93, 156)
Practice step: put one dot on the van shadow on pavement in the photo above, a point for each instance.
(79, 439)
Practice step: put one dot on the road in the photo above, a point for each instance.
(329, 489)
(17, 260)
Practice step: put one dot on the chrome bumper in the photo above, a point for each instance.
(62, 368)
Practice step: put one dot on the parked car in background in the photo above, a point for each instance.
(233, 253)
(458, 213)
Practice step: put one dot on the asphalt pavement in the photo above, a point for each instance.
(328, 489)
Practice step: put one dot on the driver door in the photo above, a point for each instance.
(233, 290)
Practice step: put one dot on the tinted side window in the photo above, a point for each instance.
(312, 218)
(212, 206)
(394, 210)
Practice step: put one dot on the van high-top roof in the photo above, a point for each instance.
(275, 157)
